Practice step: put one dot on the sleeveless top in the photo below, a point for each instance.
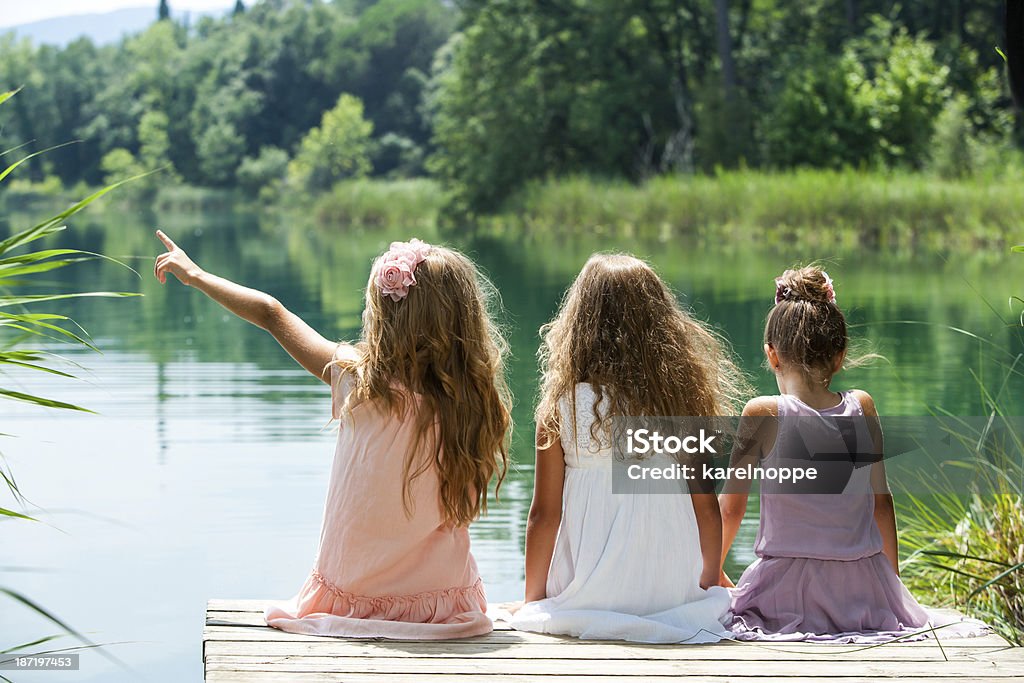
(833, 517)
(581, 448)
(624, 566)
(380, 571)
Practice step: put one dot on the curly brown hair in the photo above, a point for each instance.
(806, 326)
(621, 329)
(441, 343)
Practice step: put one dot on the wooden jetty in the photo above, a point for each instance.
(238, 647)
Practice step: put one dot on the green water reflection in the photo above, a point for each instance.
(174, 347)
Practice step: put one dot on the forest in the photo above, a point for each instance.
(293, 96)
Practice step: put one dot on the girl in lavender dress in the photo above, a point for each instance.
(827, 566)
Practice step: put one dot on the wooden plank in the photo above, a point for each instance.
(222, 605)
(238, 646)
(319, 677)
(251, 612)
(221, 630)
(599, 651)
(614, 667)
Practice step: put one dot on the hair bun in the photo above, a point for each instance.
(810, 283)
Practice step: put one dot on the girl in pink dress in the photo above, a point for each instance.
(424, 417)
(828, 566)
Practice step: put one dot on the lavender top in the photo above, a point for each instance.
(840, 524)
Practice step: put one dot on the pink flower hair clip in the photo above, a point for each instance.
(781, 292)
(396, 271)
(829, 289)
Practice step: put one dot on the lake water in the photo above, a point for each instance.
(204, 472)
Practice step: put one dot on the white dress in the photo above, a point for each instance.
(625, 566)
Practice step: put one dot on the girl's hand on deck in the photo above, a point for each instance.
(512, 607)
(174, 261)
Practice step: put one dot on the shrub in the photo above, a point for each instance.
(335, 150)
(262, 172)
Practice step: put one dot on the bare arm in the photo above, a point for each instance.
(756, 425)
(545, 515)
(885, 518)
(312, 351)
(709, 529)
(885, 511)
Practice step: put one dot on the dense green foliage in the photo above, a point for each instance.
(489, 95)
(335, 150)
(630, 89)
(211, 98)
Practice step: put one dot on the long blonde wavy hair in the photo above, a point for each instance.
(621, 329)
(441, 343)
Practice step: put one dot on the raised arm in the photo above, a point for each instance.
(545, 515)
(302, 342)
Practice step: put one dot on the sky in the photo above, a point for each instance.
(15, 12)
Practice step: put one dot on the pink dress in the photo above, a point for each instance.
(379, 572)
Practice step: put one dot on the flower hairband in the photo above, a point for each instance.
(782, 292)
(396, 272)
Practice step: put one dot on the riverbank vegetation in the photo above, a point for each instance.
(505, 105)
(834, 209)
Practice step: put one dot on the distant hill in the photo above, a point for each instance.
(107, 27)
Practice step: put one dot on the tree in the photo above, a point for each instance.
(876, 104)
(724, 42)
(530, 89)
(525, 89)
(154, 144)
(388, 55)
(851, 15)
(1014, 19)
(337, 149)
(262, 173)
(119, 164)
(220, 150)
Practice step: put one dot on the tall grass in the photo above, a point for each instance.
(22, 327)
(831, 208)
(853, 207)
(412, 203)
(967, 547)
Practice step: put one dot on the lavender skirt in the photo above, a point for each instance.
(856, 601)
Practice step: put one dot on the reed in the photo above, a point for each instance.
(22, 327)
(966, 548)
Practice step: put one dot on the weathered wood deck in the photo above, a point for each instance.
(237, 646)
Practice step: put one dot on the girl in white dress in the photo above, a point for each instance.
(634, 567)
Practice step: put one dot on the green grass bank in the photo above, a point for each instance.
(846, 207)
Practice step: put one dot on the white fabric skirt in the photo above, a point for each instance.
(626, 567)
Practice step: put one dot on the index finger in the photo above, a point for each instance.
(171, 246)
